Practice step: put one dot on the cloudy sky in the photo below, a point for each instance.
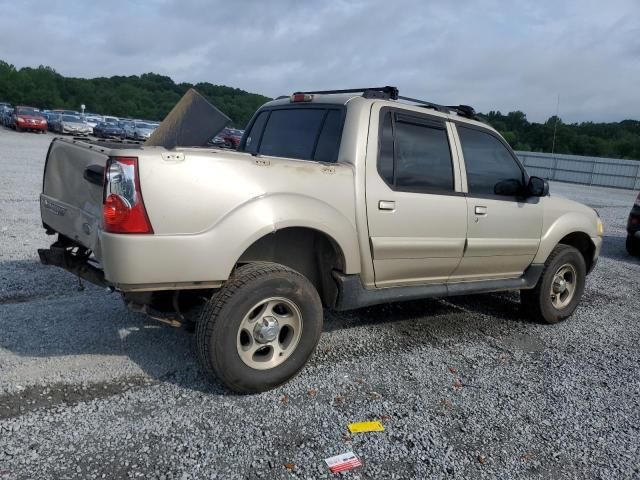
(492, 54)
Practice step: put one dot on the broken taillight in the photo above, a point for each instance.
(123, 210)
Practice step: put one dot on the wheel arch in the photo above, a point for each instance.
(583, 243)
(574, 235)
(311, 252)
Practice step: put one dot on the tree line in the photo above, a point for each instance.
(151, 96)
(613, 139)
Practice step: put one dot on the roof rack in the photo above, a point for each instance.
(392, 93)
(369, 92)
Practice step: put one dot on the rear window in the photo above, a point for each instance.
(298, 132)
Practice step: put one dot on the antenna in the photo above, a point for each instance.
(555, 126)
(553, 143)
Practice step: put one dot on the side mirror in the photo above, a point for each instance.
(538, 187)
(510, 187)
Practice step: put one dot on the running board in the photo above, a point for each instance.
(352, 294)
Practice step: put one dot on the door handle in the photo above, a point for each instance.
(481, 211)
(94, 174)
(386, 205)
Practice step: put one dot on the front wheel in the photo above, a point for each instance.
(559, 289)
(260, 328)
(633, 246)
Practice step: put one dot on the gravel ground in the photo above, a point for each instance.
(465, 387)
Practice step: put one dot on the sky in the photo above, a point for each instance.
(494, 55)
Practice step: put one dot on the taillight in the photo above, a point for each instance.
(123, 210)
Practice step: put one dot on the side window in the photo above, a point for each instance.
(414, 156)
(291, 133)
(487, 161)
(423, 158)
(329, 140)
(253, 139)
(297, 132)
(385, 152)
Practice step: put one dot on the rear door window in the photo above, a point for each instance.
(301, 133)
(414, 154)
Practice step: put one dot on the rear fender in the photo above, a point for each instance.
(268, 213)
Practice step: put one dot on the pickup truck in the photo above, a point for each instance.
(334, 199)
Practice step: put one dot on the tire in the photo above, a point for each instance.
(259, 292)
(633, 246)
(547, 305)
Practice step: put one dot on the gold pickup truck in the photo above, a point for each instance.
(337, 199)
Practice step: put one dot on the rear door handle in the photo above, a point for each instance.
(386, 205)
(481, 211)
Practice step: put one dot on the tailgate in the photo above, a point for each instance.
(72, 192)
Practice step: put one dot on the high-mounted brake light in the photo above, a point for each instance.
(301, 97)
(123, 210)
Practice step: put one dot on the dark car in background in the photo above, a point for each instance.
(109, 130)
(127, 126)
(633, 229)
(28, 119)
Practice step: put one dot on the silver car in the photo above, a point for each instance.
(74, 125)
(143, 130)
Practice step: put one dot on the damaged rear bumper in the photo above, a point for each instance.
(74, 261)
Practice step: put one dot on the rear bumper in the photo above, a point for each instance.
(60, 256)
(135, 262)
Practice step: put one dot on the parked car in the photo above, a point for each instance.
(92, 119)
(633, 229)
(218, 141)
(232, 137)
(53, 121)
(6, 117)
(143, 130)
(339, 200)
(127, 126)
(109, 130)
(28, 119)
(73, 125)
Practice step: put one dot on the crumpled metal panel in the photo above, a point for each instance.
(191, 123)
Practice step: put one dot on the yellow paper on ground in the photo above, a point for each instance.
(361, 427)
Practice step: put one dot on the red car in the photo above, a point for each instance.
(29, 118)
(231, 137)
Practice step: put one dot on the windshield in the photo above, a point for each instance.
(28, 111)
(144, 125)
(70, 118)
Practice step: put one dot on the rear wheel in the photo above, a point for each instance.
(260, 328)
(559, 289)
(633, 246)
